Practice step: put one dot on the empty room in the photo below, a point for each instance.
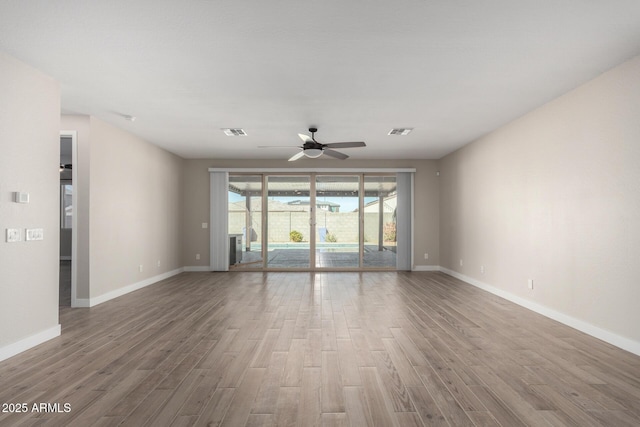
(336, 213)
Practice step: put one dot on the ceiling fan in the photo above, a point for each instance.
(313, 149)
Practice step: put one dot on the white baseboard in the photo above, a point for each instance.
(29, 342)
(133, 287)
(197, 268)
(587, 328)
(81, 303)
(426, 268)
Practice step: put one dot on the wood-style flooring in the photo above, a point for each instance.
(311, 349)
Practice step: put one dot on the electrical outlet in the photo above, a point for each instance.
(197, 256)
(140, 268)
(482, 269)
(158, 263)
(426, 256)
(460, 263)
(205, 225)
(530, 283)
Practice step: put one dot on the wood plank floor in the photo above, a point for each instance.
(323, 349)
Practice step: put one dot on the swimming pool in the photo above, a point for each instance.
(305, 245)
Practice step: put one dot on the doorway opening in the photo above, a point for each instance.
(68, 219)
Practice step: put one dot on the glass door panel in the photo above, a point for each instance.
(288, 221)
(380, 203)
(337, 221)
(245, 221)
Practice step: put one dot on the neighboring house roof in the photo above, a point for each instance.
(318, 203)
(389, 204)
(273, 206)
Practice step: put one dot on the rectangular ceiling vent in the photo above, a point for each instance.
(234, 132)
(400, 131)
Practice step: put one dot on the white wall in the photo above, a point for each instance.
(30, 147)
(555, 197)
(135, 212)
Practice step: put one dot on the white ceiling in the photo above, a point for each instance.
(453, 70)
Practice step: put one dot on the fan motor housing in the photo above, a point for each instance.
(312, 144)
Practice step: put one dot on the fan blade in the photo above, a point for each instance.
(305, 138)
(335, 154)
(345, 144)
(296, 156)
(278, 146)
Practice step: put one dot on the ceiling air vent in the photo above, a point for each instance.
(400, 131)
(234, 132)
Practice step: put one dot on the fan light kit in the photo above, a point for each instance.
(313, 153)
(313, 149)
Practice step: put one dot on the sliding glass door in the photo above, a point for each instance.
(380, 223)
(289, 228)
(337, 221)
(313, 221)
(245, 221)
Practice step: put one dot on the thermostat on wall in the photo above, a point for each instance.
(20, 197)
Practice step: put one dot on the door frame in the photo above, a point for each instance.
(312, 173)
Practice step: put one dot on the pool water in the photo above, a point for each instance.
(305, 245)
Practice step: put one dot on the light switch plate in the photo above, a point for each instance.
(35, 234)
(13, 235)
(20, 197)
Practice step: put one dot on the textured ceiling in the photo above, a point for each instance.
(453, 70)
